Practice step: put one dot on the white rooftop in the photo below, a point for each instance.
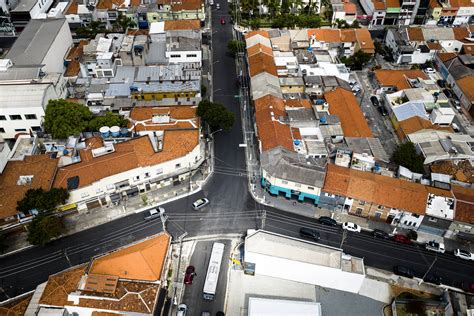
(104, 45)
(265, 307)
(157, 27)
(440, 206)
(18, 96)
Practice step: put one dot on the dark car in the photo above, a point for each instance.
(309, 233)
(433, 278)
(325, 220)
(467, 286)
(404, 271)
(382, 110)
(448, 93)
(189, 275)
(401, 239)
(374, 100)
(441, 83)
(380, 234)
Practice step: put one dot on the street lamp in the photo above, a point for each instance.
(219, 130)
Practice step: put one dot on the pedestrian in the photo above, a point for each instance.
(294, 202)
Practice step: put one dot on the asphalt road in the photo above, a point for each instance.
(232, 210)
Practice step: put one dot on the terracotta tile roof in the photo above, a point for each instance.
(471, 28)
(15, 307)
(138, 32)
(365, 41)
(41, 167)
(143, 261)
(60, 285)
(446, 56)
(344, 104)
(379, 5)
(253, 33)
(137, 152)
(393, 3)
(326, 35)
(464, 211)
(377, 189)
(298, 103)
(110, 4)
(259, 48)
(466, 85)
(434, 4)
(468, 49)
(350, 8)
(73, 6)
(262, 62)
(74, 57)
(415, 34)
(415, 124)
(182, 25)
(461, 3)
(186, 5)
(348, 35)
(434, 45)
(271, 132)
(398, 78)
(181, 117)
(460, 33)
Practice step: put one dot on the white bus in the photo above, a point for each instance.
(213, 269)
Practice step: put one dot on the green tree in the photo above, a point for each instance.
(236, 46)
(254, 23)
(405, 155)
(63, 119)
(357, 61)
(109, 119)
(44, 228)
(91, 30)
(123, 23)
(203, 90)
(43, 201)
(216, 115)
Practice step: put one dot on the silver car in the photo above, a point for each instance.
(200, 203)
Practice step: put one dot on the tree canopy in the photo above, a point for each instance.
(405, 155)
(216, 115)
(91, 30)
(357, 61)
(122, 23)
(64, 118)
(41, 200)
(44, 228)
(235, 46)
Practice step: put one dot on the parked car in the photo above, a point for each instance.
(404, 271)
(200, 203)
(352, 227)
(467, 286)
(433, 278)
(380, 234)
(218, 6)
(441, 83)
(429, 70)
(154, 213)
(448, 93)
(401, 239)
(325, 220)
(222, 21)
(455, 127)
(435, 246)
(374, 101)
(382, 110)
(356, 90)
(463, 254)
(182, 309)
(205, 314)
(189, 275)
(309, 233)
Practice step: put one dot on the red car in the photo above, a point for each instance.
(401, 239)
(468, 286)
(222, 21)
(189, 275)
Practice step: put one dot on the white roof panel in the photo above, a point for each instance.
(264, 307)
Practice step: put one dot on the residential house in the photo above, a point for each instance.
(27, 10)
(343, 10)
(183, 46)
(375, 11)
(455, 12)
(391, 80)
(128, 281)
(78, 13)
(463, 225)
(415, 124)
(165, 10)
(341, 42)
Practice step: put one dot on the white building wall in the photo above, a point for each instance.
(54, 59)
(291, 185)
(407, 220)
(368, 6)
(41, 6)
(451, 46)
(135, 176)
(5, 151)
(305, 272)
(176, 57)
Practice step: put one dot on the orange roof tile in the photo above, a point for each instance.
(262, 62)
(350, 8)
(180, 117)
(466, 85)
(73, 6)
(110, 4)
(60, 285)
(259, 32)
(461, 3)
(468, 49)
(464, 211)
(398, 78)
(298, 103)
(326, 35)
(348, 35)
(446, 56)
(143, 261)
(186, 5)
(15, 307)
(415, 124)
(344, 104)
(364, 40)
(259, 48)
(471, 28)
(377, 189)
(137, 152)
(434, 4)
(461, 33)
(138, 32)
(415, 34)
(434, 45)
(393, 3)
(379, 5)
(41, 167)
(182, 25)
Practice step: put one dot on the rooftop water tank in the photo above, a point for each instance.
(104, 131)
(115, 131)
(296, 142)
(323, 120)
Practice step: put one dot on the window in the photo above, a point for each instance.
(415, 215)
(20, 129)
(178, 165)
(361, 203)
(175, 56)
(297, 185)
(359, 211)
(98, 190)
(284, 182)
(2, 130)
(191, 55)
(159, 171)
(3, 118)
(15, 117)
(84, 195)
(433, 219)
(136, 178)
(36, 128)
(147, 174)
(311, 188)
(380, 207)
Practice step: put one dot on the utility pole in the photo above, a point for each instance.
(344, 237)
(163, 218)
(428, 271)
(263, 216)
(67, 257)
(175, 297)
